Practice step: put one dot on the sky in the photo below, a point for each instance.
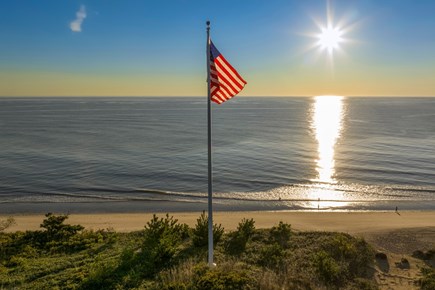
(157, 48)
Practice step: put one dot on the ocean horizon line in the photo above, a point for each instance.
(204, 96)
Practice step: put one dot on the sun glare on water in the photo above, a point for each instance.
(327, 115)
(327, 123)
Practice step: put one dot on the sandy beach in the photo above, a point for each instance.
(395, 232)
(348, 222)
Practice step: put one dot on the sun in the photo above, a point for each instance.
(330, 38)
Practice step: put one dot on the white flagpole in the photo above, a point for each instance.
(210, 172)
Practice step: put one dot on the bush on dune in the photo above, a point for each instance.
(169, 255)
(280, 234)
(273, 259)
(162, 240)
(56, 237)
(200, 232)
(237, 240)
(427, 282)
(198, 275)
(54, 257)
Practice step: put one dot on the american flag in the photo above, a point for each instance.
(225, 81)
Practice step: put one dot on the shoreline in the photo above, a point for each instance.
(163, 206)
(352, 222)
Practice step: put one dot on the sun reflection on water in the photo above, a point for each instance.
(327, 124)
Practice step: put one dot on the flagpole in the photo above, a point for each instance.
(210, 171)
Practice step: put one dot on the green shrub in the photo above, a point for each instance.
(219, 279)
(354, 253)
(16, 261)
(327, 268)
(163, 257)
(272, 256)
(246, 227)
(162, 238)
(140, 255)
(7, 247)
(238, 239)
(29, 252)
(56, 230)
(281, 234)
(3, 270)
(58, 236)
(200, 232)
(235, 244)
(101, 276)
(428, 280)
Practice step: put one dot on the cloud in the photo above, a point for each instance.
(76, 24)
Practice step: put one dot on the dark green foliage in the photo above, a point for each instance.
(220, 279)
(57, 237)
(31, 267)
(162, 238)
(272, 256)
(201, 277)
(281, 234)
(200, 232)
(104, 275)
(56, 230)
(238, 239)
(354, 253)
(163, 256)
(246, 227)
(341, 257)
(161, 243)
(123, 268)
(11, 244)
(328, 269)
(428, 280)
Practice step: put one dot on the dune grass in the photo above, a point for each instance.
(169, 255)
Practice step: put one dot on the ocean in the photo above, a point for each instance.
(150, 154)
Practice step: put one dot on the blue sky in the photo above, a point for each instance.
(157, 48)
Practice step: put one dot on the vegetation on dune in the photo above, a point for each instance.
(170, 255)
(200, 232)
(427, 281)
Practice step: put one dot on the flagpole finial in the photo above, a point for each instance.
(208, 23)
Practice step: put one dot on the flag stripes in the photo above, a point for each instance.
(225, 81)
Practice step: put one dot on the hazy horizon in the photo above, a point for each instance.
(10, 97)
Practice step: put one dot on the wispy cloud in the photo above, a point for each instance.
(76, 24)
